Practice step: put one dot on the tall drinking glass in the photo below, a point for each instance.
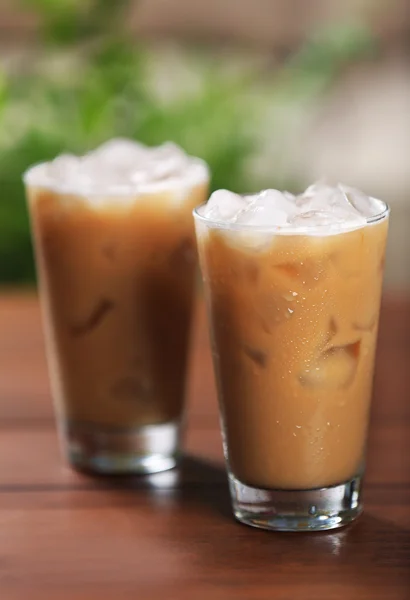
(293, 313)
(115, 251)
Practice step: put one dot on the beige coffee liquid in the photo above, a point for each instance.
(118, 284)
(294, 326)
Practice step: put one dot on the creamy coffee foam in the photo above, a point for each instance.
(120, 167)
(320, 209)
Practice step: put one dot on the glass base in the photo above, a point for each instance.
(296, 510)
(109, 451)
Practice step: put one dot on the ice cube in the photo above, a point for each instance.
(167, 151)
(169, 167)
(303, 274)
(263, 212)
(256, 355)
(365, 322)
(332, 330)
(340, 334)
(365, 205)
(321, 196)
(273, 309)
(128, 160)
(119, 152)
(367, 308)
(90, 169)
(225, 206)
(270, 208)
(118, 167)
(322, 209)
(316, 217)
(94, 318)
(324, 205)
(335, 368)
(289, 196)
(63, 168)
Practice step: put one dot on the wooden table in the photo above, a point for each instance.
(66, 536)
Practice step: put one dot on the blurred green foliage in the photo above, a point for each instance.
(102, 89)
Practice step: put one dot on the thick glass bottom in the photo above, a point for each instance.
(297, 510)
(104, 450)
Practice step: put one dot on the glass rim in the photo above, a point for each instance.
(381, 216)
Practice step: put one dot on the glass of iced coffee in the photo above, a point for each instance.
(293, 286)
(116, 257)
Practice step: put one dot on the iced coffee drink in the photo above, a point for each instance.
(293, 286)
(116, 256)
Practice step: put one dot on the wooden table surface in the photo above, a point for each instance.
(171, 536)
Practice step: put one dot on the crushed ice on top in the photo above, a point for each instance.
(320, 207)
(118, 166)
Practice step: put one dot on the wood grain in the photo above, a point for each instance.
(64, 535)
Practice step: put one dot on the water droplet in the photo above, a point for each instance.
(312, 510)
(298, 426)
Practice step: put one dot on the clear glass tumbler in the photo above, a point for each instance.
(293, 322)
(117, 284)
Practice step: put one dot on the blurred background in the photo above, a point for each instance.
(271, 93)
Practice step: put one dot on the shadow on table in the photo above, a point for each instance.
(204, 482)
(195, 482)
(370, 558)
